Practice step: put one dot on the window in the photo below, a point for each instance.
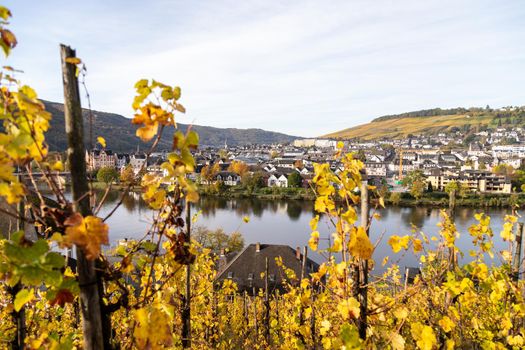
(272, 277)
(250, 276)
(230, 274)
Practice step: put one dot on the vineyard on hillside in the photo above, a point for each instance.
(160, 292)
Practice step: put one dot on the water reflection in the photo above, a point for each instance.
(209, 206)
(287, 222)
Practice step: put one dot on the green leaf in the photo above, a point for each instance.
(17, 236)
(148, 246)
(178, 139)
(187, 158)
(350, 336)
(142, 83)
(22, 298)
(4, 13)
(32, 275)
(166, 94)
(176, 93)
(52, 278)
(55, 260)
(192, 139)
(37, 250)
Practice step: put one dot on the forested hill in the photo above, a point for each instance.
(120, 133)
(432, 121)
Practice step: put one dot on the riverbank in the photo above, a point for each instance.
(260, 193)
(429, 199)
(441, 200)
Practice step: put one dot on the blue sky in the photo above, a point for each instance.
(300, 67)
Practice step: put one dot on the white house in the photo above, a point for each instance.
(277, 180)
(137, 162)
(228, 178)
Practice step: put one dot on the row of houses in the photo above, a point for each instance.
(388, 164)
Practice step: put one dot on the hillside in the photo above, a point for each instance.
(433, 121)
(120, 133)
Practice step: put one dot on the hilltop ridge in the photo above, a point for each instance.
(120, 133)
(433, 121)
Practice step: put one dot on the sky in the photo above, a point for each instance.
(304, 68)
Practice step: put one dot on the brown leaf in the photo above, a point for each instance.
(63, 296)
(9, 38)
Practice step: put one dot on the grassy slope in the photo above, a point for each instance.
(400, 127)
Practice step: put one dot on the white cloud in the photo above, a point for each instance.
(304, 68)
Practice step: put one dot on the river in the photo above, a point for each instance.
(287, 222)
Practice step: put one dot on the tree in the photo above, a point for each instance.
(253, 182)
(415, 181)
(395, 198)
(503, 169)
(383, 190)
(295, 180)
(107, 175)
(208, 173)
(238, 167)
(223, 154)
(127, 175)
(298, 164)
(482, 166)
(218, 240)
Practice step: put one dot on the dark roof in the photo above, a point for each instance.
(97, 152)
(224, 174)
(246, 268)
(284, 171)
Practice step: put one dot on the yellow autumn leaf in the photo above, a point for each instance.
(417, 245)
(146, 132)
(192, 196)
(57, 166)
(349, 308)
(12, 192)
(401, 313)
(446, 324)
(23, 297)
(338, 243)
(397, 341)
(73, 60)
(314, 222)
(88, 233)
(102, 141)
(506, 233)
(397, 242)
(313, 242)
(423, 335)
(246, 219)
(360, 245)
(325, 327)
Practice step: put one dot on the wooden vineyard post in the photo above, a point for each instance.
(363, 264)
(303, 268)
(245, 314)
(186, 311)
(266, 304)
(517, 255)
(19, 316)
(90, 300)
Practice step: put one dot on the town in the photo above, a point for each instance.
(489, 163)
